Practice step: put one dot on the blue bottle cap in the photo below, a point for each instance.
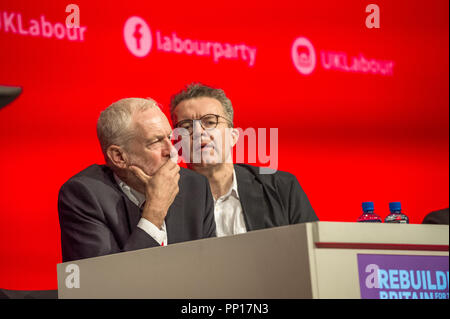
(395, 206)
(367, 206)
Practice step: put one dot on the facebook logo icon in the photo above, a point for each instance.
(137, 36)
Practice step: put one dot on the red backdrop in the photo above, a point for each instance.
(347, 136)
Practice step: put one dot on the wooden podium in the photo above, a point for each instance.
(312, 260)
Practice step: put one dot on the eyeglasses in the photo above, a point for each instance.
(208, 122)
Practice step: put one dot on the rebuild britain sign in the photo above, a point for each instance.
(403, 276)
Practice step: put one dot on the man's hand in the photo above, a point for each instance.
(160, 191)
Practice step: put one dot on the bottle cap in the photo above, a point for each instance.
(395, 206)
(367, 206)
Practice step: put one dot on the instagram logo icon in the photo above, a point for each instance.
(303, 55)
(137, 36)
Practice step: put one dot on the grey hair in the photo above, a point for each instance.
(195, 90)
(113, 125)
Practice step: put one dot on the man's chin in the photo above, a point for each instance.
(207, 162)
(162, 163)
(203, 164)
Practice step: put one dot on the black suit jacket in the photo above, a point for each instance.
(438, 217)
(97, 218)
(270, 200)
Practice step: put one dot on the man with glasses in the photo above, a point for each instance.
(244, 199)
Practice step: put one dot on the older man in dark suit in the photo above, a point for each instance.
(140, 198)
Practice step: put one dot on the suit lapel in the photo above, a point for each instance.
(133, 212)
(251, 196)
(175, 217)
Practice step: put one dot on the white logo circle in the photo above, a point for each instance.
(303, 55)
(137, 36)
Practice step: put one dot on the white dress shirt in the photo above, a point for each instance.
(160, 235)
(228, 212)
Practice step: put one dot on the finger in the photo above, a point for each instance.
(175, 172)
(172, 166)
(169, 165)
(174, 193)
(174, 155)
(174, 179)
(167, 169)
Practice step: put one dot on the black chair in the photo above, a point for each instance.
(28, 294)
(8, 94)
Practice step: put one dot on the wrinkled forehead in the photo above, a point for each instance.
(197, 107)
(150, 122)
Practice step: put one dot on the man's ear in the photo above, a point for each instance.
(234, 136)
(117, 156)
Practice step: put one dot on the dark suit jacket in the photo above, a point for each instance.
(270, 200)
(438, 217)
(97, 218)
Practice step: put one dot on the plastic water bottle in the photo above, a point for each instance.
(396, 216)
(368, 216)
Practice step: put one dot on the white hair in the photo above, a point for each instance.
(113, 125)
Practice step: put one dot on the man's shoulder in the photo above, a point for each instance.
(255, 171)
(94, 171)
(94, 175)
(190, 176)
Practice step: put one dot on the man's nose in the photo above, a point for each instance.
(197, 128)
(167, 147)
(198, 131)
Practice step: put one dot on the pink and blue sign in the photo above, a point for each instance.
(403, 276)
